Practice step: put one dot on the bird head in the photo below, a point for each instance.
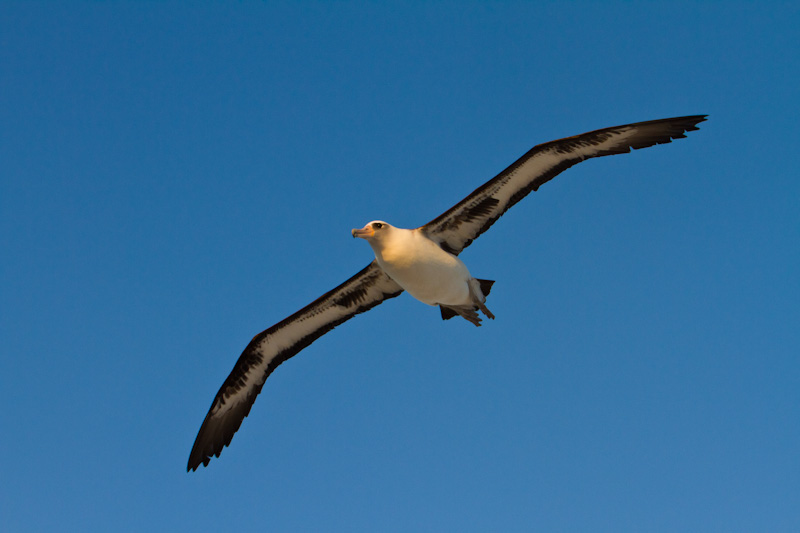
(375, 231)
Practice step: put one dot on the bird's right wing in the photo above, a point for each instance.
(275, 345)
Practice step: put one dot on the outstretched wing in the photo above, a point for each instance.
(455, 229)
(275, 345)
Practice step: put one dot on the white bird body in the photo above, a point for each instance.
(420, 266)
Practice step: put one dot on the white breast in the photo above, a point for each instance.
(423, 269)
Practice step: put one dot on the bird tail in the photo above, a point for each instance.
(470, 312)
(486, 286)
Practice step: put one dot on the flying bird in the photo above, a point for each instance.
(422, 261)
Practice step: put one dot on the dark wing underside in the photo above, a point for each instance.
(275, 345)
(455, 229)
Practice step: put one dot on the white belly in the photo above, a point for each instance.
(427, 272)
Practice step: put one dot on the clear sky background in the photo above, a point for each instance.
(175, 179)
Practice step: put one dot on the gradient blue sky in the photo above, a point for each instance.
(176, 178)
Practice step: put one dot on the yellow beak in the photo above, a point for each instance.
(364, 233)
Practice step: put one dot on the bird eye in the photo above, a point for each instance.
(377, 225)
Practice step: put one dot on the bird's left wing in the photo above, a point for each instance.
(455, 229)
(275, 345)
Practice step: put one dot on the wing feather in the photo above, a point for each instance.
(275, 345)
(456, 228)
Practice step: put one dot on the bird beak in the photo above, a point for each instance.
(365, 233)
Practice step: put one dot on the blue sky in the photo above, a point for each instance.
(175, 178)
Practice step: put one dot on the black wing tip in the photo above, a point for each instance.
(689, 123)
(194, 463)
(683, 124)
(217, 433)
(206, 447)
(202, 452)
(200, 459)
(654, 132)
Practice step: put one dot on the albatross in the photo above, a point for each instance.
(423, 262)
